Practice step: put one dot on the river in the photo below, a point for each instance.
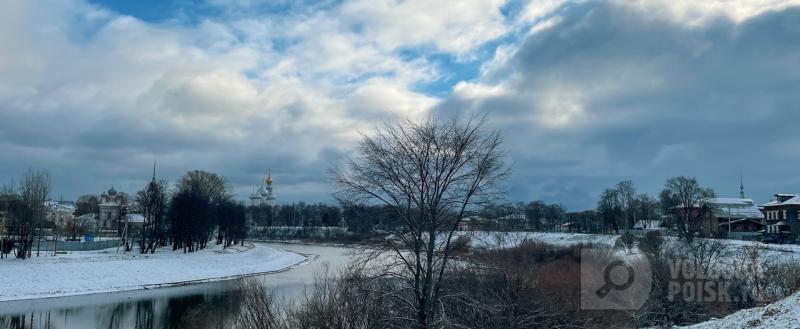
(209, 303)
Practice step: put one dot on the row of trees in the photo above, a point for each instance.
(681, 203)
(201, 206)
(296, 214)
(200, 209)
(618, 209)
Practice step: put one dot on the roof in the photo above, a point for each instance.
(794, 201)
(735, 208)
(60, 206)
(741, 220)
(742, 201)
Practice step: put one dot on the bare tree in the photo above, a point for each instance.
(34, 189)
(154, 201)
(688, 202)
(610, 210)
(209, 185)
(429, 173)
(626, 192)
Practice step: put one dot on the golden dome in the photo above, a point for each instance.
(269, 178)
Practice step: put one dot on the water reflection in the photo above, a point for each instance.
(202, 305)
(213, 307)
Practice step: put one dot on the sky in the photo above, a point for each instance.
(586, 93)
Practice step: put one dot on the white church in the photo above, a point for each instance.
(263, 196)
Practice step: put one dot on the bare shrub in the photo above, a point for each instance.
(748, 262)
(652, 243)
(783, 278)
(666, 308)
(347, 299)
(705, 254)
(461, 245)
(627, 241)
(259, 309)
(344, 299)
(531, 285)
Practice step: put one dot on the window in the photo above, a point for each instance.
(785, 214)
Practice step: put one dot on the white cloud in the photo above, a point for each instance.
(536, 10)
(696, 13)
(645, 90)
(235, 93)
(450, 26)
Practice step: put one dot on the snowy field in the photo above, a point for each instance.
(509, 239)
(483, 239)
(86, 272)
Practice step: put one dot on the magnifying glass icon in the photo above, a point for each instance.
(609, 283)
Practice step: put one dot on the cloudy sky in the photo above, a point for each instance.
(587, 93)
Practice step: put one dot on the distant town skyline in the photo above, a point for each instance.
(586, 93)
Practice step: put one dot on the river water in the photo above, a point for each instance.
(200, 305)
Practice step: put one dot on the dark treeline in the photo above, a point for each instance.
(619, 208)
(203, 204)
(295, 214)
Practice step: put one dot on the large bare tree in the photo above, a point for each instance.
(154, 201)
(429, 172)
(688, 202)
(34, 190)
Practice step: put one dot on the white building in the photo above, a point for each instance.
(60, 213)
(263, 196)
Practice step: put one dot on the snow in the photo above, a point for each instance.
(794, 199)
(87, 272)
(736, 207)
(784, 313)
(509, 239)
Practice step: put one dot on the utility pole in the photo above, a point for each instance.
(55, 227)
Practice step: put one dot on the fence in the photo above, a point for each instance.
(76, 245)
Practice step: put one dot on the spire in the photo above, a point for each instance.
(154, 170)
(741, 187)
(269, 177)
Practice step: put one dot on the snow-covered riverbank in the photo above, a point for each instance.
(782, 314)
(90, 272)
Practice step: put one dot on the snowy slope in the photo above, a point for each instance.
(88, 272)
(782, 314)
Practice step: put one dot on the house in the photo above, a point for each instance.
(648, 224)
(569, 227)
(470, 223)
(783, 213)
(512, 221)
(135, 224)
(60, 213)
(733, 218)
